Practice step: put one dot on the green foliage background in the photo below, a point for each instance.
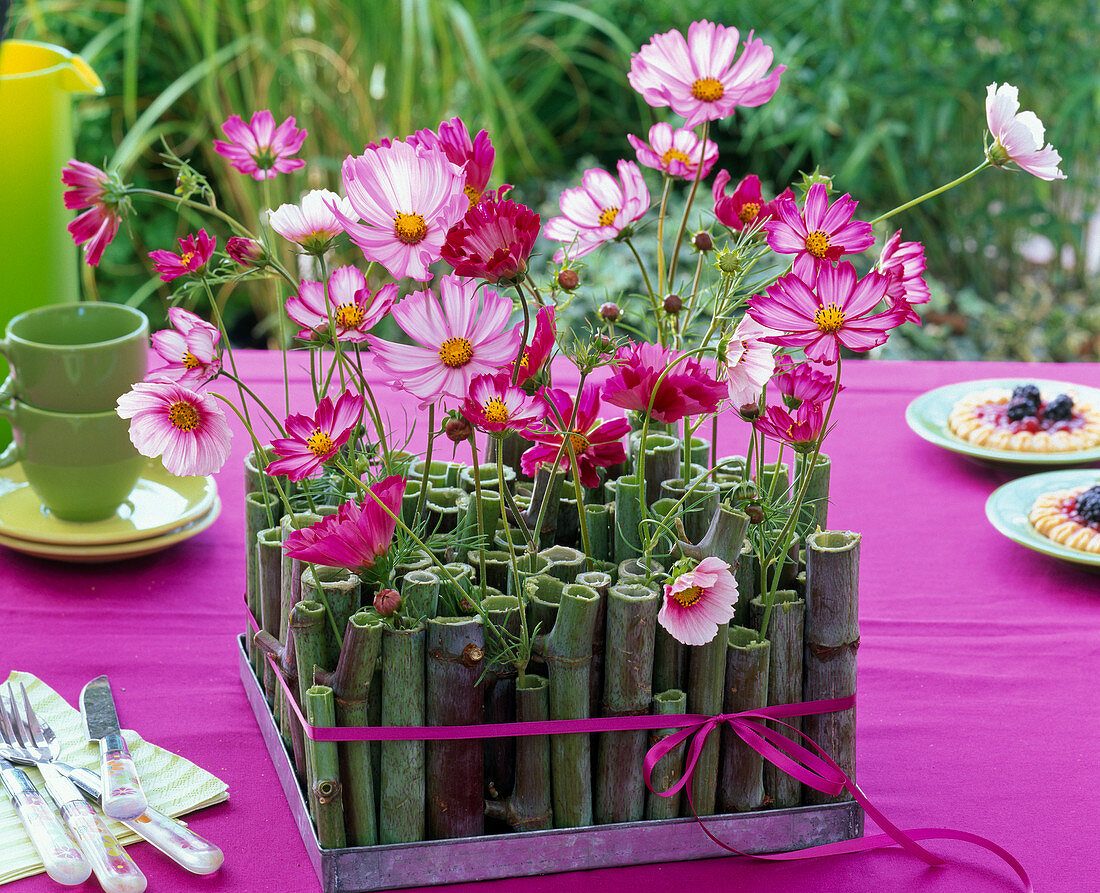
(887, 95)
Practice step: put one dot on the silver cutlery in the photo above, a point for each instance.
(123, 797)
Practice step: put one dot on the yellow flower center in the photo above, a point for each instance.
(579, 441)
(608, 215)
(455, 352)
(496, 411)
(748, 212)
(817, 243)
(409, 228)
(319, 443)
(190, 361)
(688, 597)
(472, 194)
(674, 155)
(187, 257)
(349, 316)
(707, 89)
(184, 416)
(829, 318)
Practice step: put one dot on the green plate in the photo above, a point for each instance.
(1008, 506)
(927, 417)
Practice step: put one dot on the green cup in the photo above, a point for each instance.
(75, 357)
(81, 464)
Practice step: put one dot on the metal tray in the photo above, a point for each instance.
(394, 866)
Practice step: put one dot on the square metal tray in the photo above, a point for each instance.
(394, 866)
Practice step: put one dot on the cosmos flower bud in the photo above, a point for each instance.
(387, 601)
(458, 429)
(568, 280)
(702, 241)
(610, 311)
(673, 303)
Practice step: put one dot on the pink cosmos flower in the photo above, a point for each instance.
(195, 250)
(104, 195)
(260, 148)
(311, 224)
(835, 310)
(689, 389)
(357, 535)
(187, 430)
(408, 199)
(453, 344)
(903, 263)
(596, 443)
(821, 232)
(799, 428)
(746, 204)
(1018, 136)
(313, 441)
(476, 155)
(697, 602)
(677, 153)
(246, 252)
(598, 210)
(698, 77)
(537, 353)
(749, 362)
(802, 383)
(496, 405)
(354, 307)
(189, 348)
(493, 241)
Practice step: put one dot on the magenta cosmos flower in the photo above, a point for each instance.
(495, 405)
(195, 251)
(189, 349)
(749, 362)
(835, 311)
(677, 152)
(355, 309)
(689, 389)
(902, 263)
(247, 252)
(697, 602)
(821, 232)
(801, 383)
(259, 148)
(314, 440)
(455, 341)
(798, 428)
(493, 241)
(598, 210)
(698, 77)
(187, 430)
(104, 196)
(476, 156)
(1018, 136)
(311, 224)
(357, 535)
(596, 443)
(746, 205)
(537, 353)
(408, 199)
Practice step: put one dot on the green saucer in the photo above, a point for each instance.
(159, 504)
(1009, 505)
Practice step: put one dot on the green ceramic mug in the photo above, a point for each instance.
(75, 357)
(81, 464)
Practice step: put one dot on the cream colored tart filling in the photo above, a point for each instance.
(1054, 515)
(979, 418)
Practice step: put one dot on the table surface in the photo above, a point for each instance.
(977, 667)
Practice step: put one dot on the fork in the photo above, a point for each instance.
(112, 865)
(174, 839)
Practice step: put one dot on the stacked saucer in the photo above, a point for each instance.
(162, 510)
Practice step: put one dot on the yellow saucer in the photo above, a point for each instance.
(113, 551)
(160, 503)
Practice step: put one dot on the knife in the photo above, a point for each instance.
(123, 797)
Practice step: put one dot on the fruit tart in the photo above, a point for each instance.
(1025, 420)
(1070, 517)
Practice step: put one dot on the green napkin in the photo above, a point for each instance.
(173, 785)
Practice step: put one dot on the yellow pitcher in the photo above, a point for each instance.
(37, 82)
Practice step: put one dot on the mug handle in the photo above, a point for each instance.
(11, 455)
(7, 389)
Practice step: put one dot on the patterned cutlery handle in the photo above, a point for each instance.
(116, 871)
(123, 797)
(53, 842)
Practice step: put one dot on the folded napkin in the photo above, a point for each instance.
(173, 785)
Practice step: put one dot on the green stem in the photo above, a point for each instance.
(232, 223)
(578, 492)
(687, 210)
(247, 390)
(661, 214)
(427, 466)
(522, 340)
(482, 544)
(645, 277)
(916, 201)
(523, 656)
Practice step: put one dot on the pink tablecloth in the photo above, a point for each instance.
(977, 671)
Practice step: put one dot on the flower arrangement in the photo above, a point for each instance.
(753, 334)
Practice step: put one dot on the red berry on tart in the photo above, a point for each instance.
(1070, 517)
(1025, 420)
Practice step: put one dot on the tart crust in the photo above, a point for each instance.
(1050, 517)
(966, 423)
